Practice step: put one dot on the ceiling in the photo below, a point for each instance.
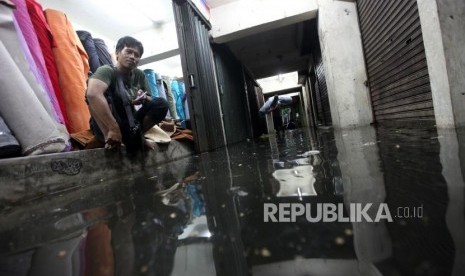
(116, 18)
(216, 3)
(112, 19)
(277, 51)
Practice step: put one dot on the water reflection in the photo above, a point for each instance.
(131, 226)
(363, 182)
(451, 150)
(413, 177)
(204, 215)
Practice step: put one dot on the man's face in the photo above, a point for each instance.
(128, 57)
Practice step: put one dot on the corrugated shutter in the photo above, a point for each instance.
(258, 125)
(324, 111)
(395, 58)
(232, 94)
(199, 76)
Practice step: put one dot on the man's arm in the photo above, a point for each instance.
(101, 112)
(269, 106)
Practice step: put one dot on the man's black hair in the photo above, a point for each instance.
(128, 41)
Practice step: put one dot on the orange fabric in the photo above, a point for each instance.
(73, 67)
(99, 253)
(184, 134)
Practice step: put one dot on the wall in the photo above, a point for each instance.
(344, 65)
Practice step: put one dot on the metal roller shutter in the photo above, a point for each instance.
(324, 111)
(199, 76)
(232, 95)
(395, 58)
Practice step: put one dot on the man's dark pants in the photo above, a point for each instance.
(156, 111)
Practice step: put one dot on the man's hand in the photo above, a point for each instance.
(140, 98)
(113, 138)
(274, 104)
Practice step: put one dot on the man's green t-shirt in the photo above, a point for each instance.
(133, 83)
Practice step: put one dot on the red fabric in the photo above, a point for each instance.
(46, 42)
(73, 67)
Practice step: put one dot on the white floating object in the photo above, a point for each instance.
(296, 182)
(369, 144)
(309, 153)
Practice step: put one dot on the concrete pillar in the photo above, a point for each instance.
(344, 65)
(442, 25)
(270, 123)
(304, 107)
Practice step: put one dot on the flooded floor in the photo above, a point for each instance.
(355, 202)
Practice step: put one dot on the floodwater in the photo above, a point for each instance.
(252, 209)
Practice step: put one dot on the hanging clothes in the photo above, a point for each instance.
(103, 53)
(73, 69)
(23, 112)
(152, 80)
(89, 45)
(184, 100)
(162, 92)
(46, 43)
(177, 93)
(170, 98)
(160, 87)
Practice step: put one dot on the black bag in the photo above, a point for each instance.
(120, 106)
(131, 129)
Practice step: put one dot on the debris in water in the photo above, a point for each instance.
(265, 252)
(369, 144)
(144, 269)
(309, 153)
(339, 241)
(348, 232)
(62, 253)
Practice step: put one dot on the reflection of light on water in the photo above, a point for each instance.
(297, 181)
(197, 228)
(302, 161)
(309, 153)
(300, 193)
